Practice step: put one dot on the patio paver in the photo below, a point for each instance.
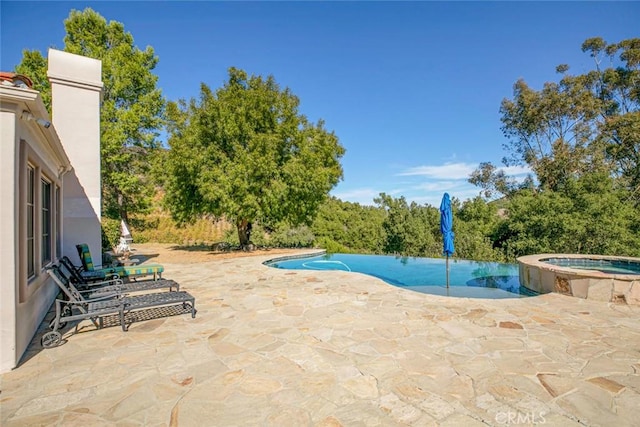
(274, 347)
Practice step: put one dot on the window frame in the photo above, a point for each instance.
(58, 219)
(31, 221)
(46, 222)
(34, 171)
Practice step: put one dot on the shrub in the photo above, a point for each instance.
(331, 246)
(231, 237)
(161, 228)
(299, 237)
(110, 229)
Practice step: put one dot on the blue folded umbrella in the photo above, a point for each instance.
(446, 225)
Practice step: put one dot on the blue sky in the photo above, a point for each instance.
(411, 89)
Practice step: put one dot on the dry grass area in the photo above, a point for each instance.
(171, 253)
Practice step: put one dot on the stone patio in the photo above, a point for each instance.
(273, 347)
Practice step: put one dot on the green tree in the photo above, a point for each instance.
(494, 181)
(475, 225)
(410, 229)
(34, 66)
(246, 153)
(132, 108)
(581, 138)
(618, 88)
(394, 224)
(589, 215)
(350, 226)
(582, 124)
(551, 130)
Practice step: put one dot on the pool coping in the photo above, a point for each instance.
(295, 256)
(543, 277)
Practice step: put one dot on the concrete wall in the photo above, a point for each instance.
(76, 85)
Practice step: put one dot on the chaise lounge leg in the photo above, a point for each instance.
(56, 321)
(124, 327)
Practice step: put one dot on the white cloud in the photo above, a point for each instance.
(423, 194)
(446, 171)
(460, 190)
(425, 184)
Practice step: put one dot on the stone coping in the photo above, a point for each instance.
(543, 277)
(296, 256)
(539, 261)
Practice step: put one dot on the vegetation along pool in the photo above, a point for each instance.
(471, 279)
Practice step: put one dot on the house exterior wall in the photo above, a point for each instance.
(8, 234)
(26, 297)
(76, 87)
(37, 181)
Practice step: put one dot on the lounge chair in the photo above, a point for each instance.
(79, 307)
(80, 276)
(131, 272)
(75, 274)
(97, 289)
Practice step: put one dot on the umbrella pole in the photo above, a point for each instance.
(447, 270)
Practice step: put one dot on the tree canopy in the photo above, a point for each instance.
(132, 108)
(581, 138)
(246, 153)
(582, 124)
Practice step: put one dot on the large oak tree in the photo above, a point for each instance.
(244, 152)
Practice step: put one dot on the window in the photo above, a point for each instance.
(46, 222)
(31, 221)
(58, 216)
(39, 220)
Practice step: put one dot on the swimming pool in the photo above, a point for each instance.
(470, 279)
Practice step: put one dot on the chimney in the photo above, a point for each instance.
(76, 89)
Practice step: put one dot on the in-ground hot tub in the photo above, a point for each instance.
(596, 277)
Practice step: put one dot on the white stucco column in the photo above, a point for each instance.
(76, 87)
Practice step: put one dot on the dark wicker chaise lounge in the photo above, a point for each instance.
(78, 307)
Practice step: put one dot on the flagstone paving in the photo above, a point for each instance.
(274, 347)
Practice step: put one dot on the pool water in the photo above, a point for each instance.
(609, 266)
(471, 279)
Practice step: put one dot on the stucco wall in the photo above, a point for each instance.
(26, 297)
(76, 85)
(8, 234)
(24, 301)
